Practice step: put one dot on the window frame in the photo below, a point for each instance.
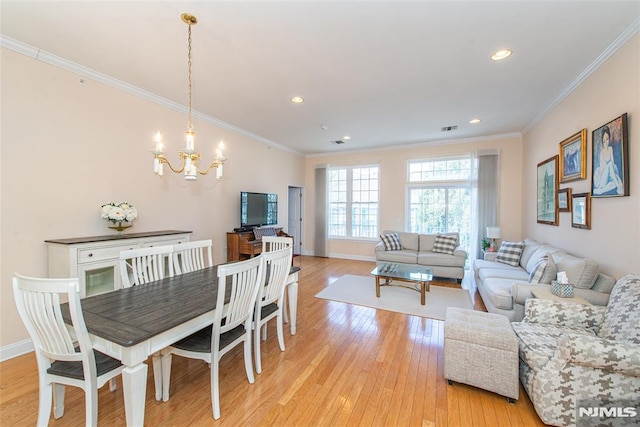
(349, 203)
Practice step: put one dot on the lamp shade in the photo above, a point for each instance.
(493, 232)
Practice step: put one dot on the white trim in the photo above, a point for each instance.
(353, 257)
(16, 349)
(629, 32)
(59, 62)
(469, 140)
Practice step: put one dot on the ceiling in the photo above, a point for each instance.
(383, 72)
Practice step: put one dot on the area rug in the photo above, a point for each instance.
(361, 290)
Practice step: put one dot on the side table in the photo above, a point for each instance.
(489, 256)
(545, 294)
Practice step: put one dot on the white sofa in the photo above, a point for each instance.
(505, 288)
(418, 249)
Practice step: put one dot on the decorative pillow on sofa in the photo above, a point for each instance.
(582, 273)
(544, 272)
(510, 253)
(445, 244)
(259, 233)
(391, 242)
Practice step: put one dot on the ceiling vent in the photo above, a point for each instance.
(449, 128)
(337, 142)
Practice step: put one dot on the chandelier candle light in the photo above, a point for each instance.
(189, 156)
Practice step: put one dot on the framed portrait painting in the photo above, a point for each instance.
(573, 157)
(581, 211)
(564, 200)
(547, 196)
(610, 162)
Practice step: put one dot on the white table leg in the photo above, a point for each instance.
(134, 382)
(292, 291)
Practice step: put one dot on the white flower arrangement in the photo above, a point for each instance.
(118, 213)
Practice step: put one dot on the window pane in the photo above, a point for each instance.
(353, 197)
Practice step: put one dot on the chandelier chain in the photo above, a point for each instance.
(190, 79)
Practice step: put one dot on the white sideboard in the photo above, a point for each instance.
(95, 259)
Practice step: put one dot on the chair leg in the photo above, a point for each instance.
(256, 348)
(44, 408)
(284, 304)
(293, 305)
(215, 392)
(263, 331)
(113, 385)
(157, 374)
(248, 365)
(58, 400)
(166, 375)
(91, 404)
(280, 328)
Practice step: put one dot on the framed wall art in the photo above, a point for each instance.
(573, 157)
(547, 203)
(610, 160)
(581, 211)
(564, 200)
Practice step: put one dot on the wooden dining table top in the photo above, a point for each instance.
(132, 315)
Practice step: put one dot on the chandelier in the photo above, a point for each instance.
(189, 156)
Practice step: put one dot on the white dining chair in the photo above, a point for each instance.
(62, 360)
(274, 243)
(192, 256)
(142, 265)
(213, 342)
(270, 300)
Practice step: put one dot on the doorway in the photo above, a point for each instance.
(294, 224)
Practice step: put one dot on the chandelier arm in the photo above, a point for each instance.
(165, 161)
(214, 164)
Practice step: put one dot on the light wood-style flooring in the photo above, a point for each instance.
(346, 366)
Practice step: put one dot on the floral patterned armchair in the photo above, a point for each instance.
(571, 352)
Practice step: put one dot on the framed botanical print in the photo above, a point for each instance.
(564, 200)
(573, 157)
(610, 160)
(547, 197)
(581, 211)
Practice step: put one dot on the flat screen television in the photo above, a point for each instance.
(258, 209)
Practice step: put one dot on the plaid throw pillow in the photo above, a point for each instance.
(391, 242)
(538, 270)
(445, 244)
(510, 253)
(259, 233)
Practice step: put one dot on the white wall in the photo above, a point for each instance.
(614, 238)
(393, 181)
(68, 148)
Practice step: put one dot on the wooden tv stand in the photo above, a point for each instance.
(243, 244)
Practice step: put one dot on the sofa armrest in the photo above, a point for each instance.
(379, 247)
(521, 292)
(460, 252)
(562, 313)
(600, 353)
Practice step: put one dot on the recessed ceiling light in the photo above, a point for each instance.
(297, 100)
(501, 54)
(347, 137)
(474, 121)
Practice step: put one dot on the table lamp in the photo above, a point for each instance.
(493, 233)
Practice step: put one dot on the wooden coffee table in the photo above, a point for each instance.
(410, 273)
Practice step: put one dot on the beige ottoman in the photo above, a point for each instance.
(481, 349)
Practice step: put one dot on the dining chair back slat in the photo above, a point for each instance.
(192, 256)
(143, 265)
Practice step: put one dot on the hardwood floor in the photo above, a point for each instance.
(346, 366)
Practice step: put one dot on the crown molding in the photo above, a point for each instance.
(59, 62)
(629, 32)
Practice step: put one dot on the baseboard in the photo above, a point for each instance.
(16, 349)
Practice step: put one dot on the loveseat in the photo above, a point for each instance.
(574, 355)
(504, 288)
(418, 249)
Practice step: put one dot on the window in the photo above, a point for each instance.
(353, 194)
(440, 194)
